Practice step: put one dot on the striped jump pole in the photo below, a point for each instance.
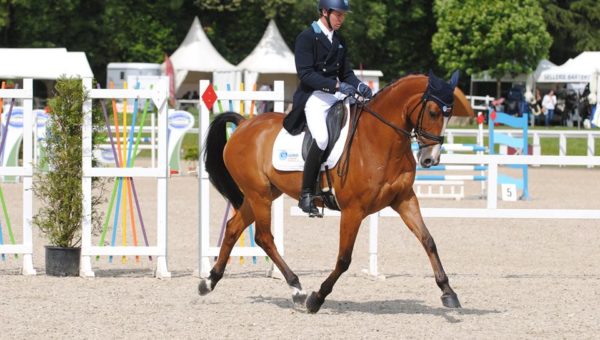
(456, 147)
(454, 168)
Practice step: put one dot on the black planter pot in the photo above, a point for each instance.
(62, 261)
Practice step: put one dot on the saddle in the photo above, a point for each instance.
(335, 121)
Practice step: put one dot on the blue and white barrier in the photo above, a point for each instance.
(451, 178)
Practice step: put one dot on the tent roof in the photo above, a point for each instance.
(271, 54)
(485, 76)
(196, 53)
(577, 70)
(43, 63)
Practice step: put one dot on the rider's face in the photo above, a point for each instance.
(336, 19)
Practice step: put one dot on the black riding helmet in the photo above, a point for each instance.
(333, 5)
(338, 5)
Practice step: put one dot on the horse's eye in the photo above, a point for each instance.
(433, 113)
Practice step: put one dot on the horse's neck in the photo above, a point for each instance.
(397, 104)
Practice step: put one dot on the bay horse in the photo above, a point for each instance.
(380, 173)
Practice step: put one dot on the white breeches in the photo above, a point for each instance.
(316, 110)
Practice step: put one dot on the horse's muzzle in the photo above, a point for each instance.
(429, 156)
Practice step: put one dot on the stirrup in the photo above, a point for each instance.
(306, 204)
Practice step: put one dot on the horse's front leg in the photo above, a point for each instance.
(349, 224)
(409, 210)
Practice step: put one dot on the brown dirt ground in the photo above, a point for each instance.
(515, 279)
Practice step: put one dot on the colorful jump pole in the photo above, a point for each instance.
(118, 160)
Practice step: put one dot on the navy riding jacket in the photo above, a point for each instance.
(319, 64)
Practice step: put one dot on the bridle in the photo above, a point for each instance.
(417, 133)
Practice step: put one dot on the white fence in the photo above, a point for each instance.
(491, 210)
(563, 137)
(159, 96)
(205, 250)
(480, 103)
(26, 172)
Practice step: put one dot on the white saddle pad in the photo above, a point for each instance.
(287, 149)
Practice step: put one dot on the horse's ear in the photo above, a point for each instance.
(454, 78)
(462, 106)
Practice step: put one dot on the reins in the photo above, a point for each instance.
(418, 130)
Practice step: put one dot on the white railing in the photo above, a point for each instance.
(562, 135)
(480, 103)
(159, 172)
(26, 172)
(491, 210)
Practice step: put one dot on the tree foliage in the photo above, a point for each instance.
(502, 37)
(574, 25)
(392, 35)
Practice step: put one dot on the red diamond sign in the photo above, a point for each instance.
(209, 97)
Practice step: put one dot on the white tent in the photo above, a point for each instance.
(196, 58)
(527, 79)
(271, 60)
(519, 78)
(580, 69)
(43, 63)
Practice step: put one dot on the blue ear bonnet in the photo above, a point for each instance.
(441, 92)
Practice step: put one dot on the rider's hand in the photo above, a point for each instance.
(347, 89)
(365, 91)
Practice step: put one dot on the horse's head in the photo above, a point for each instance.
(435, 111)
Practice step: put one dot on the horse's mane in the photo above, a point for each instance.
(395, 82)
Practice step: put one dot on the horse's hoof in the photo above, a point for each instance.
(204, 287)
(451, 301)
(313, 303)
(299, 298)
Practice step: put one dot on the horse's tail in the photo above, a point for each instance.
(213, 158)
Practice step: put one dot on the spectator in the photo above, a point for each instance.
(548, 105)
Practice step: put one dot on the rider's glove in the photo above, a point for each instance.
(347, 89)
(365, 91)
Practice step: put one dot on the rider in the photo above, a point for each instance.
(325, 78)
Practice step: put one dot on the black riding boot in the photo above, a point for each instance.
(312, 168)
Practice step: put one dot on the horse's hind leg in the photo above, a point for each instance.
(261, 205)
(349, 225)
(235, 226)
(411, 215)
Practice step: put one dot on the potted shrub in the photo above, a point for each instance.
(59, 188)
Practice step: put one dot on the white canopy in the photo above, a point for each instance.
(196, 58)
(43, 63)
(271, 55)
(580, 69)
(271, 60)
(485, 76)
